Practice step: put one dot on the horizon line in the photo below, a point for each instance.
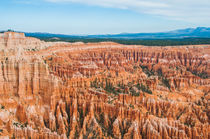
(11, 30)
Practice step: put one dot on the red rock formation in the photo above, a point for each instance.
(102, 90)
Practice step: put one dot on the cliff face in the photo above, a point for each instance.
(102, 90)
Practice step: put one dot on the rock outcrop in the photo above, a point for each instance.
(102, 90)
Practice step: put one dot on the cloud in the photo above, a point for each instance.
(196, 11)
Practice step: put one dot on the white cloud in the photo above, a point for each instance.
(196, 11)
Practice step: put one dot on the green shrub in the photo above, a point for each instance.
(2, 107)
(165, 81)
(133, 92)
(144, 88)
(147, 71)
(131, 106)
(202, 75)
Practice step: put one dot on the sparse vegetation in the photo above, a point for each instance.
(81, 117)
(189, 122)
(124, 129)
(144, 88)
(131, 106)
(147, 71)
(110, 101)
(159, 73)
(16, 124)
(109, 87)
(165, 81)
(181, 114)
(133, 92)
(94, 83)
(202, 75)
(2, 107)
(76, 133)
(122, 86)
(20, 125)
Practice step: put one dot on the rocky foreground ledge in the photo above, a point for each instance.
(102, 90)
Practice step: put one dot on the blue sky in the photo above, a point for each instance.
(102, 16)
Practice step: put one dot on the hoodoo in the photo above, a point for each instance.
(102, 90)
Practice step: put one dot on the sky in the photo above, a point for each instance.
(103, 16)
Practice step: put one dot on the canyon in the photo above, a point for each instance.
(104, 90)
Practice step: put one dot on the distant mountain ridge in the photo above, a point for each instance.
(199, 32)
